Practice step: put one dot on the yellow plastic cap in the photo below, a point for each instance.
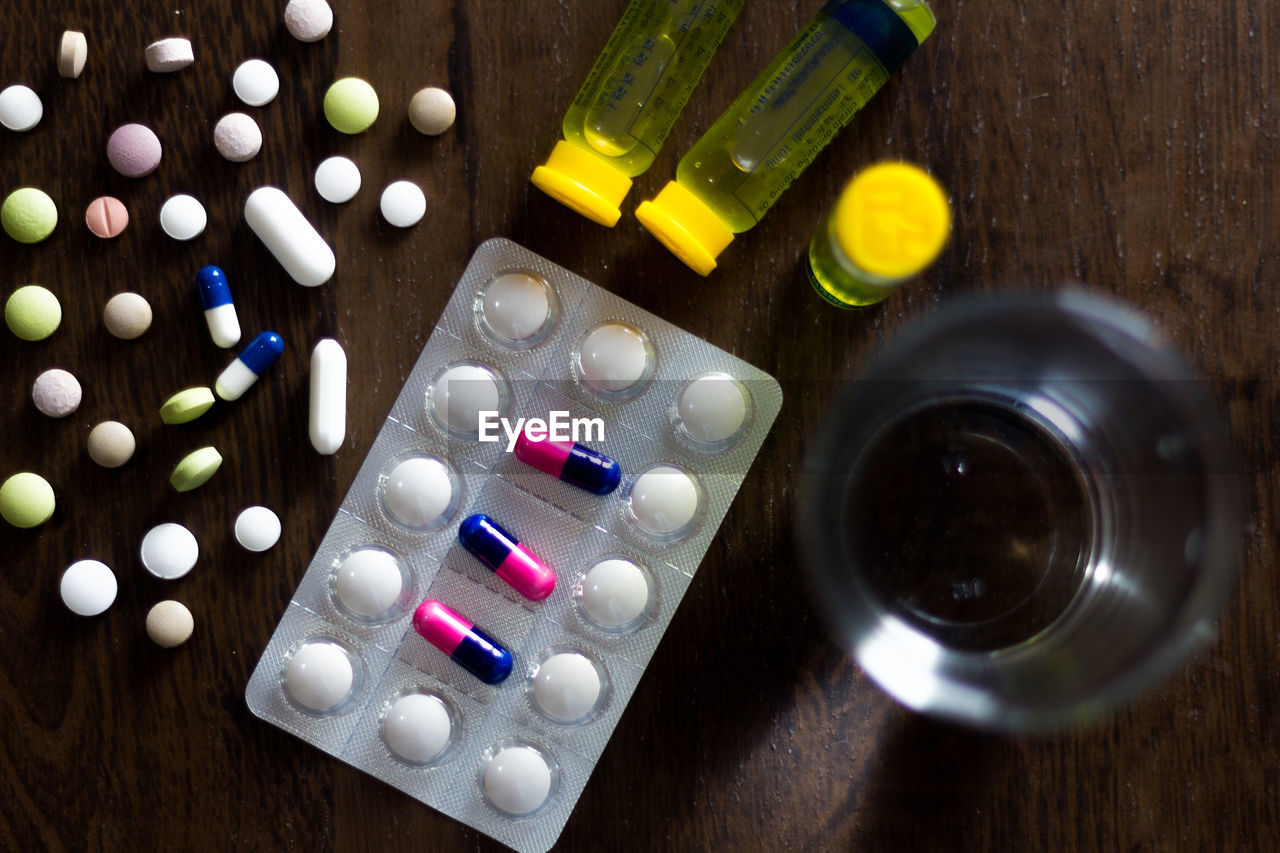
(892, 220)
(686, 226)
(917, 15)
(584, 182)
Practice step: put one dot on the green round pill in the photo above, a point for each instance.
(29, 215)
(195, 469)
(26, 500)
(351, 105)
(32, 312)
(186, 405)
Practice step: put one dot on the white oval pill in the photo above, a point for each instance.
(20, 108)
(328, 416)
(403, 204)
(257, 528)
(237, 137)
(664, 501)
(320, 676)
(567, 687)
(615, 592)
(713, 408)
(417, 728)
(183, 217)
(169, 551)
(461, 393)
(337, 180)
(369, 583)
(418, 492)
(516, 306)
(88, 587)
(517, 780)
(615, 358)
(255, 82)
(287, 234)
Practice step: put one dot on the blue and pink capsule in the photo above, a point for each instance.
(468, 646)
(259, 355)
(575, 464)
(219, 310)
(506, 557)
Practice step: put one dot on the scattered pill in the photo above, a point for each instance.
(73, 50)
(237, 137)
(257, 528)
(186, 405)
(127, 316)
(219, 309)
(287, 234)
(461, 393)
(432, 111)
(28, 215)
(255, 82)
(516, 307)
(468, 646)
(134, 150)
(169, 551)
(308, 20)
(327, 424)
(320, 676)
(337, 180)
(88, 587)
(419, 492)
(575, 464)
(503, 554)
(32, 312)
(262, 352)
(417, 728)
(26, 500)
(183, 217)
(111, 444)
(56, 393)
(403, 204)
(20, 108)
(351, 105)
(517, 780)
(664, 501)
(168, 55)
(369, 583)
(106, 217)
(567, 687)
(712, 409)
(195, 469)
(615, 358)
(614, 594)
(169, 624)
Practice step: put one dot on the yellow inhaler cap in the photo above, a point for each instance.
(584, 182)
(892, 220)
(686, 226)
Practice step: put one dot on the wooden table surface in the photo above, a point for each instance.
(1127, 146)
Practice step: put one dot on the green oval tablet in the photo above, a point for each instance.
(32, 312)
(26, 500)
(351, 105)
(28, 215)
(186, 405)
(195, 469)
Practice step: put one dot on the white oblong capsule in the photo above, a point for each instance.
(328, 425)
(296, 244)
(224, 325)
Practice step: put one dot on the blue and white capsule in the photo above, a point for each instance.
(240, 374)
(219, 309)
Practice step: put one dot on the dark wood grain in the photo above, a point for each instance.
(1132, 147)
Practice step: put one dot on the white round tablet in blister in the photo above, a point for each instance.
(461, 392)
(169, 551)
(517, 780)
(566, 687)
(516, 308)
(664, 501)
(614, 593)
(417, 728)
(369, 583)
(319, 676)
(88, 587)
(712, 409)
(615, 359)
(419, 492)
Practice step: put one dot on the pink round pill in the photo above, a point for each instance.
(56, 393)
(134, 150)
(106, 217)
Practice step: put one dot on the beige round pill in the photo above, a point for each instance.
(169, 624)
(432, 111)
(127, 315)
(111, 444)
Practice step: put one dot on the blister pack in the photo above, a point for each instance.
(515, 544)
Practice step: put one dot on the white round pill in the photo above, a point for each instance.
(664, 501)
(255, 82)
(308, 20)
(337, 180)
(567, 687)
(403, 204)
(257, 528)
(461, 393)
(615, 592)
(20, 108)
(516, 306)
(237, 137)
(182, 217)
(712, 408)
(56, 393)
(417, 728)
(517, 780)
(169, 551)
(369, 583)
(319, 676)
(88, 587)
(615, 358)
(418, 492)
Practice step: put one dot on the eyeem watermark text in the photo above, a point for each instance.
(557, 427)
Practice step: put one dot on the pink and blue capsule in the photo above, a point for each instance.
(575, 464)
(468, 646)
(219, 310)
(262, 352)
(506, 557)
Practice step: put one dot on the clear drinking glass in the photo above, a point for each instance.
(1025, 511)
